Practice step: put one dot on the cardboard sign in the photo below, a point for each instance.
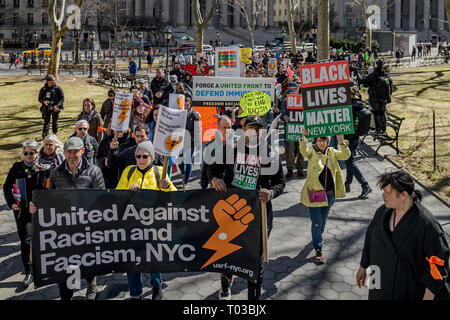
(255, 103)
(191, 68)
(322, 74)
(121, 111)
(294, 102)
(272, 67)
(228, 62)
(246, 54)
(329, 121)
(208, 122)
(169, 132)
(294, 131)
(327, 96)
(219, 91)
(176, 101)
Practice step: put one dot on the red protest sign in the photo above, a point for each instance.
(294, 102)
(191, 68)
(323, 74)
(209, 122)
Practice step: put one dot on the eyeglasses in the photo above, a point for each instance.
(320, 140)
(28, 153)
(143, 156)
(111, 96)
(82, 129)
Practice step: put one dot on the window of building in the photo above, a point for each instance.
(43, 37)
(30, 19)
(2, 3)
(2, 18)
(45, 19)
(30, 3)
(45, 3)
(16, 3)
(15, 18)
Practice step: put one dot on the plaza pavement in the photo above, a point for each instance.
(290, 273)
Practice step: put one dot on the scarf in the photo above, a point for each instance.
(89, 116)
(52, 159)
(30, 164)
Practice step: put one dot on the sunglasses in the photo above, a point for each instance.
(143, 156)
(111, 96)
(82, 129)
(29, 153)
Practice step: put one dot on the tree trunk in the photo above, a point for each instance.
(53, 65)
(252, 38)
(447, 6)
(77, 46)
(200, 30)
(292, 31)
(323, 41)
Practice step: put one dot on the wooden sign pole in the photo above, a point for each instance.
(165, 167)
(264, 231)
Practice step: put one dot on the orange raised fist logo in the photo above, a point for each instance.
(233, 217)
(172, 142)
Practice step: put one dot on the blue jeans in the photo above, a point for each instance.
(135, 282)
(352, 168)
(187, 172)
(319, 217)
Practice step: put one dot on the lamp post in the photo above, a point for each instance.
(284, 36)
(218, 38)
(35, 37)
(168, 36)
(314, 33)
(92, 36)
(140, 35)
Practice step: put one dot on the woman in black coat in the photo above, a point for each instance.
(405, 246)
(24, 177)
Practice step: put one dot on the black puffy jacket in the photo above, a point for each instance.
(88, 176)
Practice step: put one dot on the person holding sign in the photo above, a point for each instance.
(324, 183)
(144, 175)
(258, 168)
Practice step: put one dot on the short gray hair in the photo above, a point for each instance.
(32, 144)
(147, 146)
(80, 122)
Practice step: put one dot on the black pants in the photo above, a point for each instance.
(66, 293)
(379, 114)
(46, 116)
(24, 228)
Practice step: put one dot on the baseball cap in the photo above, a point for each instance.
(141, 81)
(253, 119)
(173, 78)
(73, 143)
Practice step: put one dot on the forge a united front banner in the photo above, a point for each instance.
(98, 232)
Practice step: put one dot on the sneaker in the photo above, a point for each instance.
(27, 280)
(185, 187)
(318, 258)
(300, 174)
(157, 293)
(289, 174)
(365, 193)
(136, 298)
(91, 292)
(347, 188)
(225, 290)
(182, 177)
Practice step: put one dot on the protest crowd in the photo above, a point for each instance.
(116, 146)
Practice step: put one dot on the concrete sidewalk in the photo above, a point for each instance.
(290, 273)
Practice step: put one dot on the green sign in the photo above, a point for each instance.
(329, 121)
(246, 171)
(255, 103)
(294, 131)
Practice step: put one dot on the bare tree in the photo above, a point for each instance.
(447, 5)
(201, 23)
(250, 10)
(58, 31)
(363, 4)
(323, 36)
(292, 6)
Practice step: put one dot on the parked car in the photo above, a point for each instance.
(42, 49)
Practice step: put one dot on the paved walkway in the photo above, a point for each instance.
(290, 273)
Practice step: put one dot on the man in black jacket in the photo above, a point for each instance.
(126, 157)
(377, 102)
(270, 183)
(51, 97)
(157, 87)
(75, 173)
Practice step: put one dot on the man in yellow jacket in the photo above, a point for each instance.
(144, 176)
(323, 174)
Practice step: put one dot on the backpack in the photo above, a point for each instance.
(362, 121)
(155, 170)
(383, 88)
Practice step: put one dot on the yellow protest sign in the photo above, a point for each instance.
(246, 53)
(255, 103)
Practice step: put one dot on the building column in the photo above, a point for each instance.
(236, 17)
(426, 18)
(138, 9)
(180, 13)
(384, 15)
(398, 15)
(441, 14)
(208, 6)
(224, 14)
(148, 9)
(270, 12)
(165, 14)
(412, 15)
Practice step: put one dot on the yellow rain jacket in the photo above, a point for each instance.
(316, 164)
(147, 182)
